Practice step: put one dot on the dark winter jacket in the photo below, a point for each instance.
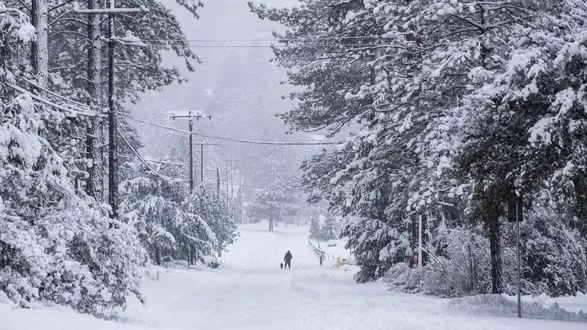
(287, 256)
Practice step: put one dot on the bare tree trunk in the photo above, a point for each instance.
(190, 256)
(157, 256)
(34, 45)
(425, 238)
(95, 95)
(40, 47)
(414, 242)
(495, 249)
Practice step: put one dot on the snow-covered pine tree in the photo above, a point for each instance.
(336, 48)
(77, 60)
(315, 226)
(330, 229)
(212, 209)
(172, 221)
(513, 115)
(273, 203)
(55, 246)
(157, 206)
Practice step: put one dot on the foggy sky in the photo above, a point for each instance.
(220, 20)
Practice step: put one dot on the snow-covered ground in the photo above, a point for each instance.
(249, 291)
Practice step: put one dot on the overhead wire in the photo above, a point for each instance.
(126, 140)
(213, 137)
(352, 47)
(275, 39)
(55, 94)
(153, 161)
(355, 41)
(38, 98)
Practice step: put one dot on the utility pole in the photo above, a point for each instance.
(240, 189)
(202, 162)
(231, 184)
(191, 169)
(190, 116)
(112, 143)
(218, 182)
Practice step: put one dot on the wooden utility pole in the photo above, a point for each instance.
(112, 143)
(190, 116)
(202, 162)
(191, 161)
(218, 182)
(229, 177)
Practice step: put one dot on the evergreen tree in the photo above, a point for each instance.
(438, 132)
(273, 204)
(315, 226)
(329, 230)
(173, 222)
(55, 246)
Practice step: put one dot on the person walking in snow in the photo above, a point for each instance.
(287, 258)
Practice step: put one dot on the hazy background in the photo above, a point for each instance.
(239, 87)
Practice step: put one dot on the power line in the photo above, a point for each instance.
(55, 94)
(152, 160)
(72, 110)
(352, 46)
(230, 139)
(127, 142)
(275, 39)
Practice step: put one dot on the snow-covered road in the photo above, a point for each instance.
(249, 291)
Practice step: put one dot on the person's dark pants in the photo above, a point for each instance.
(288, 264)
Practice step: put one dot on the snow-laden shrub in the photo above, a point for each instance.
(172, 222)
(55, 245)
(498, 305)
(210, 208)
(402, 278)
(73, 256)
(459, 265)
(376, 246)
(552, 255)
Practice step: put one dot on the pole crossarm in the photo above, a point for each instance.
(190, 114)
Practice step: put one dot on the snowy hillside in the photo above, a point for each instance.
(249, 291)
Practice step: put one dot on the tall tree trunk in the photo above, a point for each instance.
(35, 23)
(157, 256)
(95, 95)
(425, 239)
(40, 47)
(495, 249)
(414, 242)
(190, 256)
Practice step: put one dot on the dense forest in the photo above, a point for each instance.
(60, 241)
(434, 127)
(455, 110)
